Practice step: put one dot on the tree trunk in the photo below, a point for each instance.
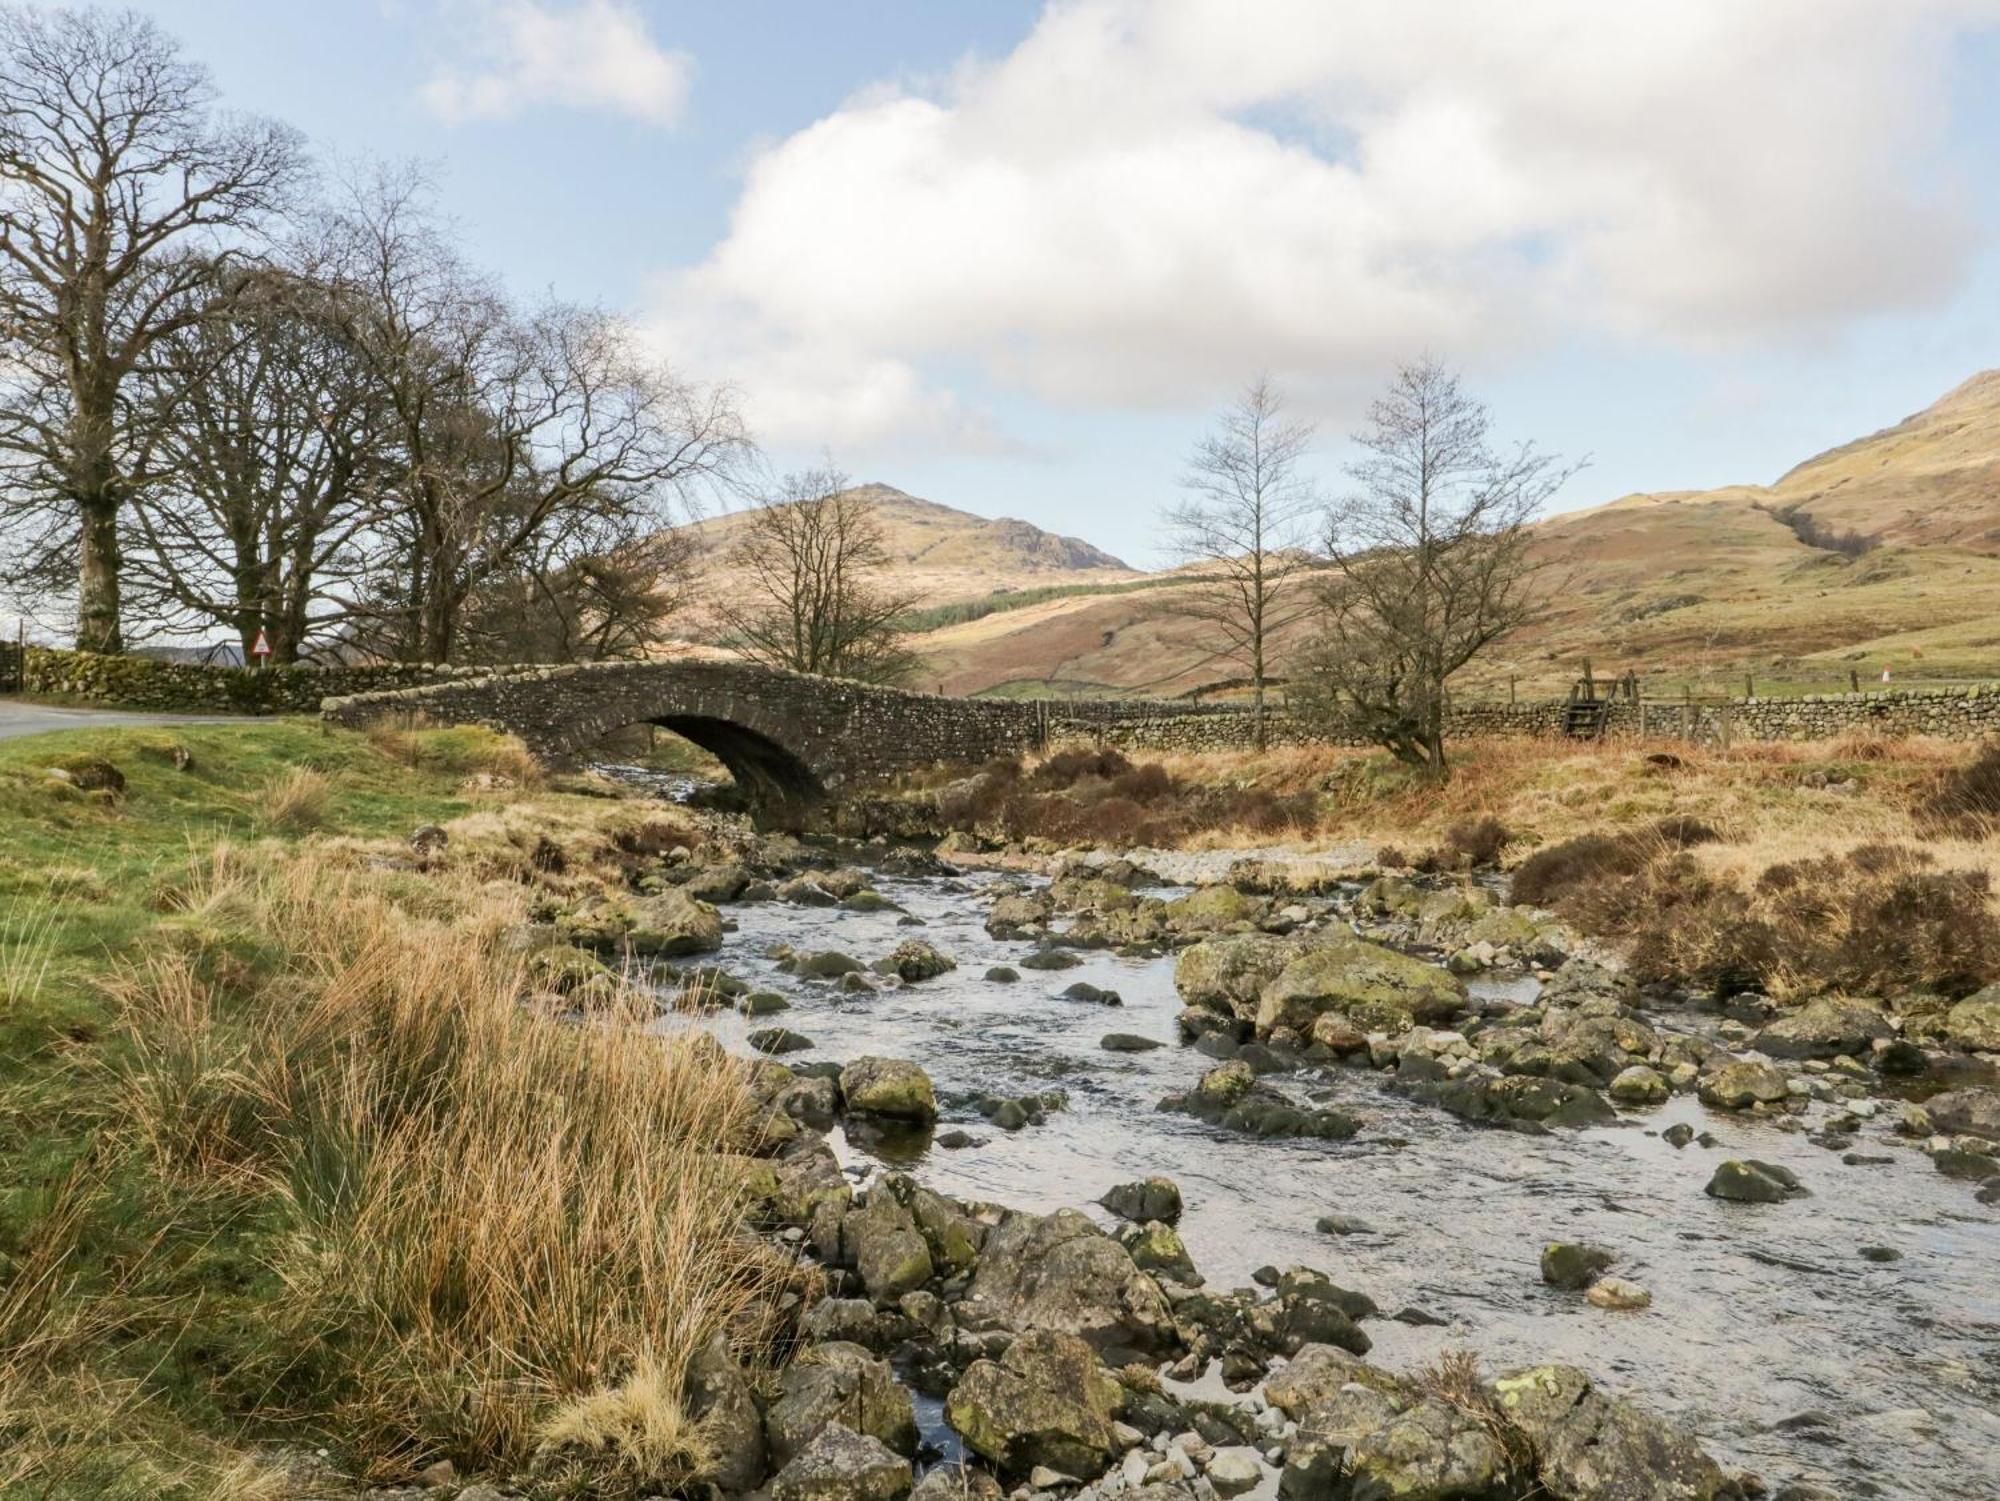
(98, 620)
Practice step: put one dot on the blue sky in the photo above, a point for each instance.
(1008, 256)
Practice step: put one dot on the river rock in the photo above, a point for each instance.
(1582, 981)
(1019, 913)
(881, 1241)
(1156, 1248)
(778, 1041)
(1973, 1111)
(1059, 1271)
(806, 891)
(1228, 974)
(1746, 1082)
(716, 883)
(957, 1483)
(1748, 1181)
(1372, 986)
(891, 1087)
(1128, 1042)
(1234, 1470)
(842, 1465)
(1051, 959)
(1047, 1401)
(1522, 1102)
(1365, 1432)
(1592, 1447)
(1824, 1028)
(720, 1397)
(672, 922)
(999, 974)
(826, 964)
(1214, 909)
(1974, 1022)
(1153, 1198)
(1638, 1085)
(840, 1383)
(1572, 1265)
(914, 960)
(1618, 1294)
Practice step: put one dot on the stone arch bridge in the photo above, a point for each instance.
(788, 739)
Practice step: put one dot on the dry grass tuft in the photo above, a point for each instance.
(507, 1228)
(298, 801)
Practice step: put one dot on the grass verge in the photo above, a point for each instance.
(296, 1160)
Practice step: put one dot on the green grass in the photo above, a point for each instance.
(147, 1290)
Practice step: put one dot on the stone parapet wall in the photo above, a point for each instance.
(125, 682)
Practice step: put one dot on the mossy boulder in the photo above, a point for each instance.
(1374, 987)
(1229, 974)
(893, 1088)
(1743, 1083)
(913, 960)
(1212, 909)
(672, 923)
(1572, 1265)
(1974, 1023)
(1047, 1401)
(840, 1382)
(1825, 1028)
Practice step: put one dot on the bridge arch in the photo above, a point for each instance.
(789, 739)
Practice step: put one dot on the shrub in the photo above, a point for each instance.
(1068, 767)
(1877, 920)
(1971, 791)
(1547, 874)
(1472, 842)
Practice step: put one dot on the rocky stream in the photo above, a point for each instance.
(1700, 1251)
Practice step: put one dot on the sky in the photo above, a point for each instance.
(1013, 257)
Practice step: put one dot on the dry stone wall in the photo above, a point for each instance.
(190, 688)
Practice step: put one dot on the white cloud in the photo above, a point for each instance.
(595, 54)
(1149, 198)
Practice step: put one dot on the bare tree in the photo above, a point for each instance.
(123, 199)
(275, 449)
(808, 597)
(1244, 527)
(1431, 564)
(518, 434)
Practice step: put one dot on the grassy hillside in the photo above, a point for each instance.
(1883, 553)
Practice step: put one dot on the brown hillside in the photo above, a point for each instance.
(1692, 590)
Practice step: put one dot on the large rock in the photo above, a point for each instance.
(1153, 1198)
(720, 1396)
(1371, 1434)
(1739, 1085)
(839, 1383)
(913, 960)
(1212, 909)
(1825, 1028)
(1586, 984)
(1374, 987)
(1059, 1271)
(1572, 1265)
(1229, 974)
(888, 1252)
(891, 1087)
(1969, 1112)
(673, 923)
(842, 1465)
(1519, 1102)
(1975, 1021)
(1047, 1401)
(1592, 1447)
(1748, 1181)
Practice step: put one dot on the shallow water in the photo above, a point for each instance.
(1768, 1333)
